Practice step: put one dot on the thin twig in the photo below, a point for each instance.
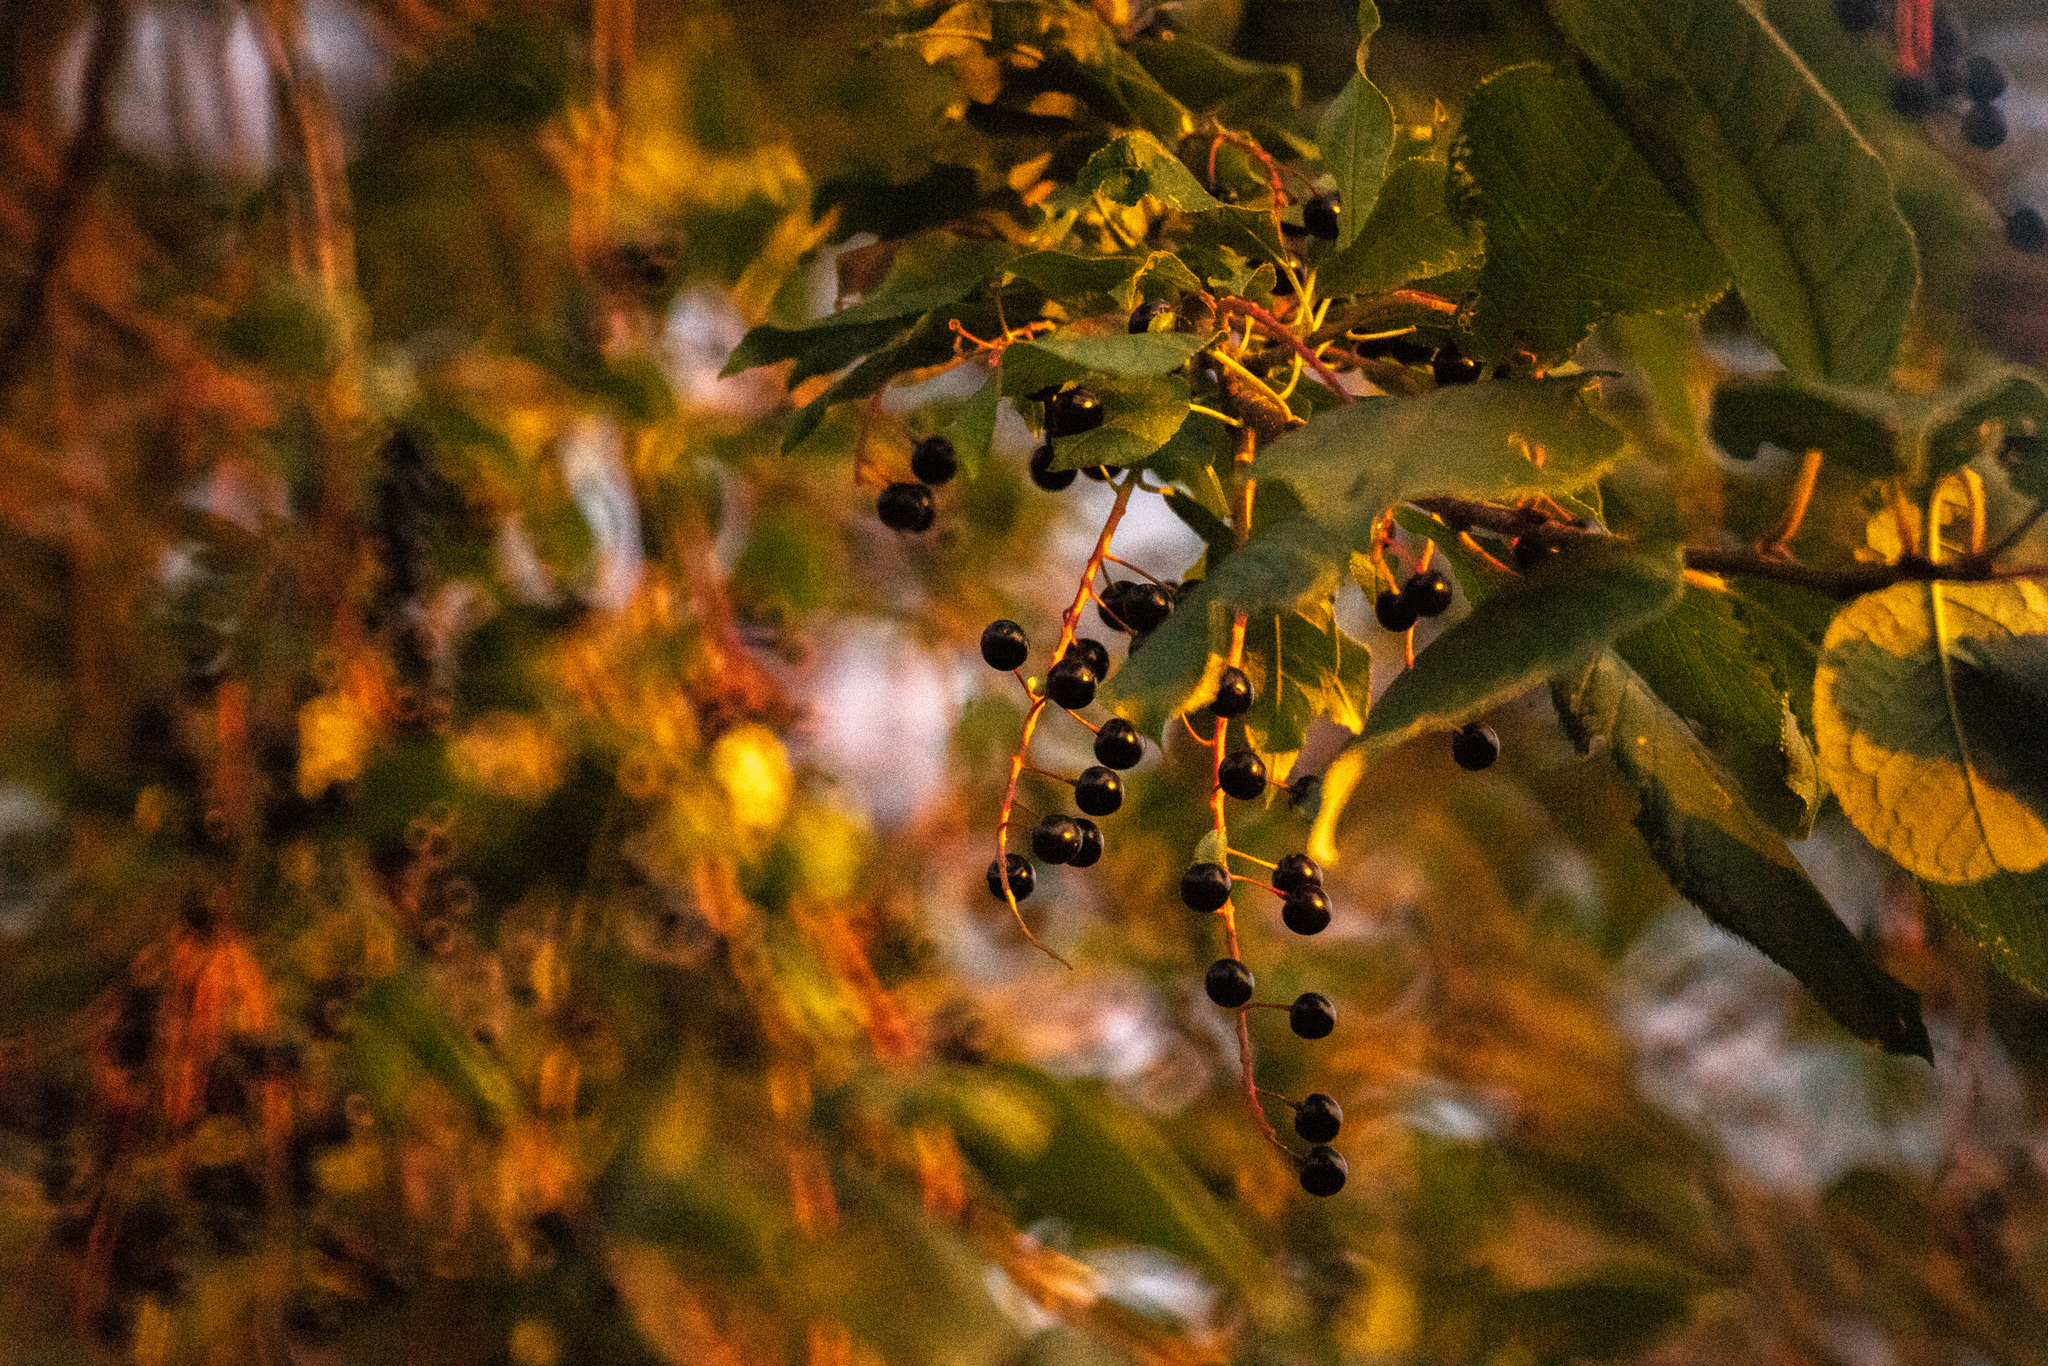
(1273, 327)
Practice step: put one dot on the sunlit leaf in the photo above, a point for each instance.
(1355, 134)
(1412, 233)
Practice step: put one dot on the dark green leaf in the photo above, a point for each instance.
(1140, 416)
(1411, 234)
(1854, 429)
(401, 1008)
(973, 428)
(1699, 660)
(1084, 285)
(1204, 79)
(1321, 671)
(1068, 355)
(1768, 167)
(928, 343)
(1729, 863)
(891, 211)
(1129, 169)
(2008, 917)
(2012, 401)
(1355, 134)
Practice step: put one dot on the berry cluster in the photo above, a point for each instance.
(907, 505)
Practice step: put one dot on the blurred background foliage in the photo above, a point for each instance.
(489, 858)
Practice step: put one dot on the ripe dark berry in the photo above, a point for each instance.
(1099, 473)
(2025, 229)
(1071, 684)
(1474, 747)
(1983, 79)
(1318, 1118)
(1233, 693)
(1296, 872)
(1146, 314)
(1323, 1171)
(1149, 607)
(1450, 367)
(1003, 645)
(1055, 839)
(1044, 475)
(1098, 791)
(1071, 412)
(1205, 886)
(1023, 877)
(906, 507)
(1312, 1016)
(1283, 288)
(1984, 126)
(1228, 982)
(1530, 551)
(1090, 852)
(934, 460)
(1117, 744)
(1320, 216)
(1859, 16)
(1242, 775)
(1306, 911)
(1393, 612)
(1091, 652)
(1113, 604)
(1912, 98)
(1429, 593)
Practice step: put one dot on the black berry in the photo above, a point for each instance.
(1146, 607)
(1983, 79)
(1228, 982)
(1474, 747)
(1099, 473)
(2025, 230)
(1003, 645)
(1323, 1171)
(1044, 475)
(1098, 791)
(934, 460)
(1320, 216)
(906, 507)
(1984, 126)
(1055, 839)
(1296, 872)
(1283, 288)
(1306, 911)
(1859, 16)
(1530, 551)
(1242, 775)
(1312, 1015)
(1071, 412)
(1429, 593)
(1117, 744)
(1233, 693)
(1144, 315)
(1113, 605)
(1393, 612)
(1091, 652)
(1205, 886)
(1090, 852)
(1912, 97)
(1450, 367)
(1318, 1118)
(1071, 683)
(1023, 877)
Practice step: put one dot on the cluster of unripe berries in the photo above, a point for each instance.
(907, 505)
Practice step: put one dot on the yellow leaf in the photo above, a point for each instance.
(753, 768)
(334, 735)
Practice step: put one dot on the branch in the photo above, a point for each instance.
(1278, 330)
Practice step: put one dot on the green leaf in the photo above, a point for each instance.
(1930, 707)
(2007, 914)
(1356, 134)
(1139, 417)
(399, 1008)
(1368, 24)
(1853, 429)
(1500, 440)
(1769, 168)
(1699, 660)
(1320, 671)
(1131, 168)
(973, 429)
(1068, 355)
(1204, 79)
(1578, 227)
(928, 343)
(1728, 863)
(1412, 234)
(2010, 401)
(1603, 1318)
(1084, 285)
(1551, 622)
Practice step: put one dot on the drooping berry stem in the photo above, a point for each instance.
(1279, 331)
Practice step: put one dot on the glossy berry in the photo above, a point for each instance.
(1393, 612)
(1984, 126)
(1023, 877)
(1090, 852)
(1117, 744)
(1071, 683)
(1145, 607)
(1071, 412)
(1859, 16)
(1530, 551)
(906, 507)
(934, 460)
(1318, 1118)
(1474, 747)
(1306, 911)
(1113, 604)
(1320, 216)
(1429, 593)
(1145, 315)
(1912, 98)
(1296, 872)
(1205, 886)
(1098, 791)
(1228, 982)
(2025, 229)
(1044, 475)
(1233, 693)
(1983, 79)
(1242, 775)
(1450, 367)
(1003, 645)
(1055, 839)
(1312, 1016)
(1323, 1171)
(1283, 288)
(1091, 652)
